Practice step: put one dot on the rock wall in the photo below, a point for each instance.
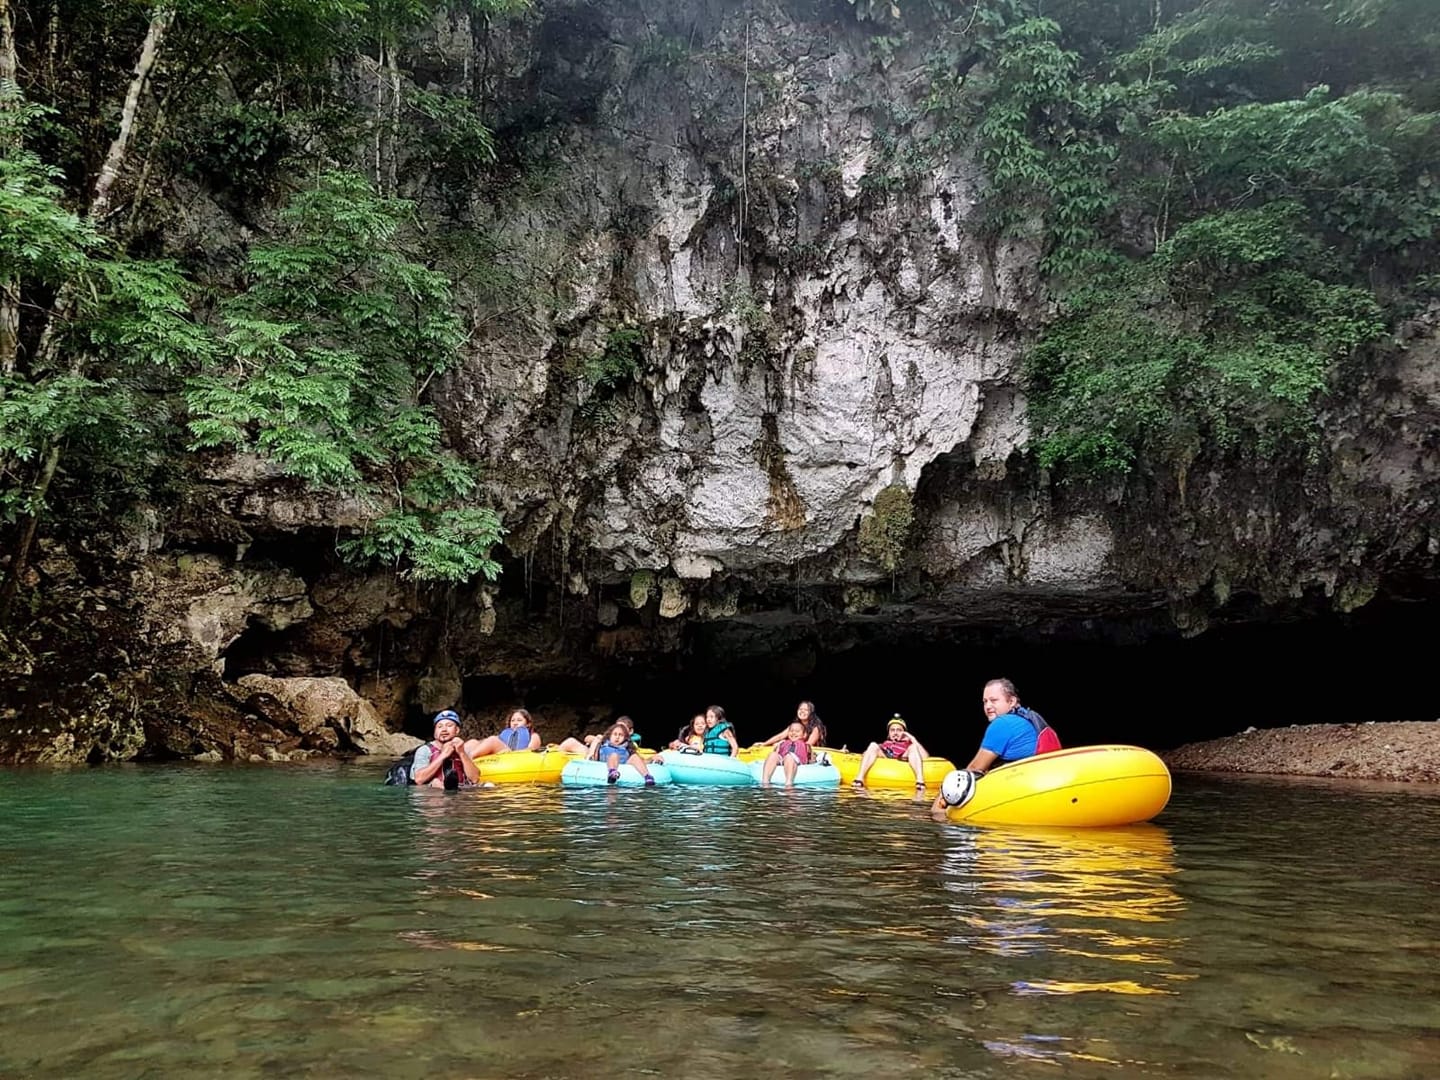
(729, 320)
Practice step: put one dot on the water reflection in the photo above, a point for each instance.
(1070, 914)
(264, 922)
(1088, 894)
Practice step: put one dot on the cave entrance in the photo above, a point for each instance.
(1160, 693)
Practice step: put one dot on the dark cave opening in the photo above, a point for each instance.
(1158, 693)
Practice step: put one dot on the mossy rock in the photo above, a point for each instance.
(886, 530)
(642, 586)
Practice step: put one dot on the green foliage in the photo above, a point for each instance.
(899, 160)
(620, 362)
(320, 362)
(452, 142)
(1360, 165)
(236, 147)
(92, 379)
(607, 372)
(40, 240)
(642, 587)
(1221, 231)
(1218, 342)
(329, 346)
(885, 531)
(446, 545)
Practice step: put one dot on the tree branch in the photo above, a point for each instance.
(159, 22)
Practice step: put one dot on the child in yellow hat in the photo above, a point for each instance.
(899, 745)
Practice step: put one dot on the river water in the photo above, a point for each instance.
(277, 921)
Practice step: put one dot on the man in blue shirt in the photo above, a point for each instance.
(1010, 736)
(1014, 733)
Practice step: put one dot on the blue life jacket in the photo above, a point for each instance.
(607, 748)
(516, 738)
(715, 740)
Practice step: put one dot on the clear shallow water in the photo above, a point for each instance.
(276, 921)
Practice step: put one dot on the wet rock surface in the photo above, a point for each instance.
(1367, 751)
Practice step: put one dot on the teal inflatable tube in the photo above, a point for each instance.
(595, 774)
(819, 775)
(714, 770)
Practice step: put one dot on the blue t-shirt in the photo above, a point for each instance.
(1010, 737)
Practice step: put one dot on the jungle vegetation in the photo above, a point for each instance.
(1235, 200)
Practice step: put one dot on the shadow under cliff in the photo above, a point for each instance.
(1159, 692)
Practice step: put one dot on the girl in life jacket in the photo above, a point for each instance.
(719, 733)
(899, 745)
(792, 751)
(691, 737)
(810, 720)
(617, 749)
(519, 734)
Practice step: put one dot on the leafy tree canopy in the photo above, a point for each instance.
(328, 346)
(1233, 199)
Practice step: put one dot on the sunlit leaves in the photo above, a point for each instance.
(1362, 165)
(40, 239)
(96, 388)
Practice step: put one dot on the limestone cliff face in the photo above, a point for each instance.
(730, 318)
(807, 326)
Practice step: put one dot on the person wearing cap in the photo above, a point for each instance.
(899, 745)
(444, 762)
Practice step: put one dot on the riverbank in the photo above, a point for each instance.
(1404, 751)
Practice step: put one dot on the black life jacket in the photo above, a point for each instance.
(399, 774)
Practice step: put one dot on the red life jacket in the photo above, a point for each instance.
(896, 750)
(799, 747)
(1045, 738)
(452, 773)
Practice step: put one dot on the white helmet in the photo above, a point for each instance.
(957, 787)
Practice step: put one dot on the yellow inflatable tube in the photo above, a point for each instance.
(885, 773)
(1089, 786)
(889, 773)
(523, 767)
